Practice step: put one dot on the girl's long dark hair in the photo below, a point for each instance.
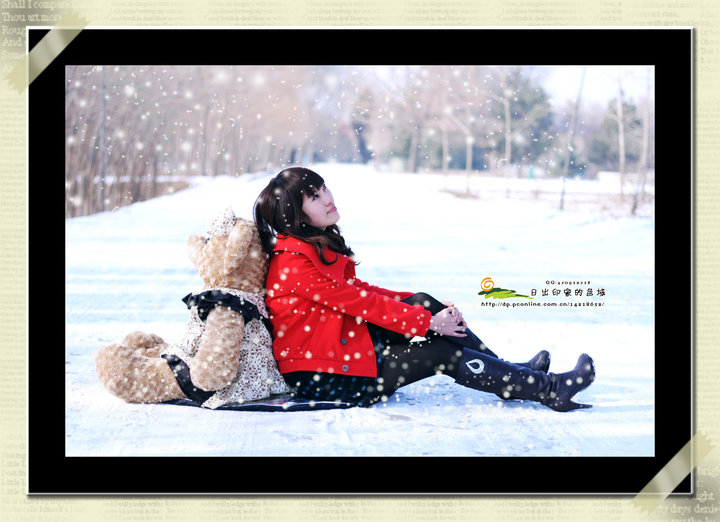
(278, 210)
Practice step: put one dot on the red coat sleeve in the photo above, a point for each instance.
(382, 291)
(356, 299)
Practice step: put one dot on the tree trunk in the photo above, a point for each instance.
(508, 145)
(413, 152)
(571, 138)
(103, 143)
(444, 122)
(621, 139)
(642, 167)
(468, 150)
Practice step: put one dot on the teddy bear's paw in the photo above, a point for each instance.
(135, 378)
(143, 342)
(111, 351)
(138, 339)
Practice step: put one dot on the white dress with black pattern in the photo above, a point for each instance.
(257, 376)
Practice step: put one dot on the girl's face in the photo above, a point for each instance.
(320, 209)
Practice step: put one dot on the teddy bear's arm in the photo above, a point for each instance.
(238, 245)
(216, 362)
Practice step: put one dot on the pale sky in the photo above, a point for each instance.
(601, 83)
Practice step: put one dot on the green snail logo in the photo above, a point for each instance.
(489, 291)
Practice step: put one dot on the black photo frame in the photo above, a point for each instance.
(669, 50)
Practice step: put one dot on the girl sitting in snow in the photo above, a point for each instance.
(337, 338)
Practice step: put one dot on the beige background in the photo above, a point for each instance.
(703, 15)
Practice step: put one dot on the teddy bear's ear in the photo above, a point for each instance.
(222, 223)
(195, 246)
(238, 244)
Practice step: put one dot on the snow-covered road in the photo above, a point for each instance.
(128, 269)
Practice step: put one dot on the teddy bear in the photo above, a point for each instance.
(225, 355)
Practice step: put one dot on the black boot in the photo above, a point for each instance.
(507, 380)
(540, 362)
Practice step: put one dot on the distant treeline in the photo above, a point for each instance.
(134, 132)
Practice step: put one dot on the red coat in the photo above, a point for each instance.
(318, 312)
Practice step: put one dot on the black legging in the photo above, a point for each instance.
(400, 363)
(405, 362)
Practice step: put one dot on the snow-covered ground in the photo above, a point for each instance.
(128, 269)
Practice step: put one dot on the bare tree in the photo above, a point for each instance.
(643, 164)
(621, 137)
(466, 94)
(512, 130)
(571, 137)
(417, 103)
